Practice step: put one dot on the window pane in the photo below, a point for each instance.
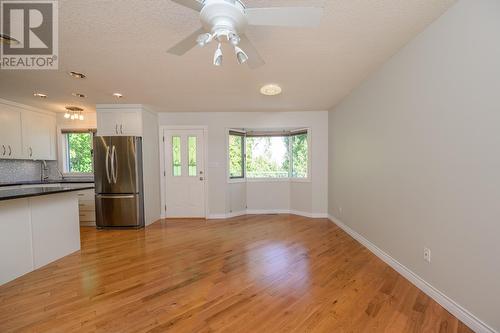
(192, 155)
(299, 156)
(79, 152)
(236, 156)
(267, 157)
(176, 156)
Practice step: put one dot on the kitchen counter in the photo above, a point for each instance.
(50, 181)
(17, 193)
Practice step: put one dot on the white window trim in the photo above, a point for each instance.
(229, 179)
(308, 179)
(61, 158)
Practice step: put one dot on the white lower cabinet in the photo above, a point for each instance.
(36, 231)
(16, 256)
(86, 206)
(56, 232)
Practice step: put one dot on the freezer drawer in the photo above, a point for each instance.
(119, 211)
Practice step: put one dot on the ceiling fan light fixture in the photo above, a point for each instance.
(204, 39)
(240, 55)
(218, 56)
(234, 39)
(67, 115)
(227, 21)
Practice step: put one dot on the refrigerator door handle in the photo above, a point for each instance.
(107, 165)
(114, 164)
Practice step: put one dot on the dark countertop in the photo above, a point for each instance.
(50, 181)
(9, 194)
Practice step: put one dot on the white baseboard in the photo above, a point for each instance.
(453, 307)
(267, 212)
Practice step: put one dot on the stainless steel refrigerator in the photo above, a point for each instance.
(118, 182)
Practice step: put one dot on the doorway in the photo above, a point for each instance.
(184, 152)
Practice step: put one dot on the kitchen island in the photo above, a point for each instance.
(38, 225)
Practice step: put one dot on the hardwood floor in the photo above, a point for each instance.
(274, 273)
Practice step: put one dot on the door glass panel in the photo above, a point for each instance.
(176, 156)
(192, 156)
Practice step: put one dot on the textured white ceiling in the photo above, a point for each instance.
(121, 46)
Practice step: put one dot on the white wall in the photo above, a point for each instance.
(225, 198)
(415, 157)
(151, 167)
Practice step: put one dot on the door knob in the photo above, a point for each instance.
(201, 178)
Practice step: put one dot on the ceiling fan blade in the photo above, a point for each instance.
(285, 16)
(186, 44)
(254, 59)
(193, 4)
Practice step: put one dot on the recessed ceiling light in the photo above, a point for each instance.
(77, 75)
(271, 90)
(6, 39)
(40, 95)
(79, 95)
(117, 95)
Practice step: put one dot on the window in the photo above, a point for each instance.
(192, 156)
(267, 157)
(176, 156)
(78, 151)
(300, 152)
(268, 154)
(236, 155)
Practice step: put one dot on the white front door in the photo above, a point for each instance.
(185, 173)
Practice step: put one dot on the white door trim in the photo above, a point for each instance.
(163, 165)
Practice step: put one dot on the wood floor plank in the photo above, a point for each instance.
(267, 273)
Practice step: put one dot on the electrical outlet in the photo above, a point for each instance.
(340, 211)
(427, 255)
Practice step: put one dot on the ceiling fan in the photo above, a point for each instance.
(225, 21)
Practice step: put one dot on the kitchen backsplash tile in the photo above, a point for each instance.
(23, 170)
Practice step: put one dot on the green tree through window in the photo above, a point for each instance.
(269, 155)
(79, 152)
(299, 156)
(236, 144)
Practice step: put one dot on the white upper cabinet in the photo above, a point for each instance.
(26, 134)
(119, 121)
(10, 133)
(39, 139)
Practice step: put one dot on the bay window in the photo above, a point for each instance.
(269, 154)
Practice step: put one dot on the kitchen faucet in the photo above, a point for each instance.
(43, 169)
